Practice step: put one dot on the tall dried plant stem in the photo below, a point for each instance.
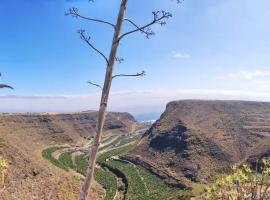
(103, 103)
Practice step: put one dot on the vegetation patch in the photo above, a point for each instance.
(243, 183)
(108, 181)
(142, 184)
(129, 140)
(115, 152)
(81, 164)
(107, 139)
(136, 187)
(113, 143)
(158, 189)
(47, 154)
(105, 178)
(139, 183)
(66, 160)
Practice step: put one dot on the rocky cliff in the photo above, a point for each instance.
(198, 139)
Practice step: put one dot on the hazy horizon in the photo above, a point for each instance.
(144, 105)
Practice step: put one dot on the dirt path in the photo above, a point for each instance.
(59, 152)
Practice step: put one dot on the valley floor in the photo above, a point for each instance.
(116, 178)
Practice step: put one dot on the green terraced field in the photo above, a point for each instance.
(129, 140)
(108, 181)
(142, 184)
(107, 139)
(115, 152)
(47, 154)
(136, 187)
(158, 189)
(105, 178)
(66, 160)
(81, 164)
(115, 142)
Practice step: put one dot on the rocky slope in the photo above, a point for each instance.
(24, 136)
(68, 127)
(194, 140)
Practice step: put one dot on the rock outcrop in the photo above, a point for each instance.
(197, 139)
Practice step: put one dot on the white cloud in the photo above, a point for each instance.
(179, 55)
(253, 79)
(135, 102)
(249, 75)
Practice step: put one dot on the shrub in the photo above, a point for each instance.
(243, 184)
(3, 172)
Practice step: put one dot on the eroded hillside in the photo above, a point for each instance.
(23, 137)
(195, 140)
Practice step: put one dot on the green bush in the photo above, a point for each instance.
(243, 184)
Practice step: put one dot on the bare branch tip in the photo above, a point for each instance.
(130, 75)
(87, 40)
(94, 84)
(6, 86)
(74, 12)
(159, 17)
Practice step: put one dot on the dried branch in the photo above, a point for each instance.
(87, 40)
(134, 75)
(159, 18)
(136, 26)
(4, 85)
(94, 84)
(179, 1)
(74, 12)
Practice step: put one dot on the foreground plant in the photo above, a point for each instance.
(3, 174)
(243, 184)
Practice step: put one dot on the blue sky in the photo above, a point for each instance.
(213, 49)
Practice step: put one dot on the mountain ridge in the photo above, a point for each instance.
(196, 139)
(23, 137)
